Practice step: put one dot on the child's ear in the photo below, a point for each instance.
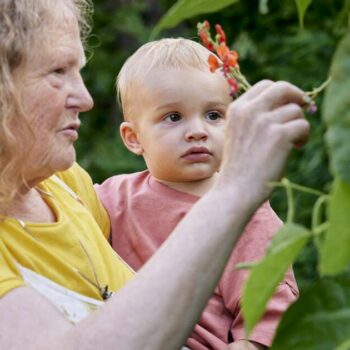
(130, 138)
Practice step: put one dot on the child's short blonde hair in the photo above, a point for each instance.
(159, 54)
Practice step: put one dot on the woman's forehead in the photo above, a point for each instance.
(49, 26)
(59, 42)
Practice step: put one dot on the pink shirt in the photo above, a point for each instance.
(144, 212)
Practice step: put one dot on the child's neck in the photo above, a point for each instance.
(197, 188)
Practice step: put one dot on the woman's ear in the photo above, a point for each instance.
(130, 138)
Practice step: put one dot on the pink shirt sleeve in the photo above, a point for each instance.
(251, 247)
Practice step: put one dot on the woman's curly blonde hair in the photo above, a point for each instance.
(22, 27)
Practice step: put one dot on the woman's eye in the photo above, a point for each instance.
(213, 116)
(173, 117)
(59, 70)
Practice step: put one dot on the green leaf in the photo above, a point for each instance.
(266, 275)
(319, 319)
(337, 138)
(336, 111)
(344, 346)
(302, 6)
(184, 9)
(263, 7)
(342, 20)
(335, 248)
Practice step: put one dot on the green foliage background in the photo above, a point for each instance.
(271, 45)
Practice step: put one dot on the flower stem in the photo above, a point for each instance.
(316, 91)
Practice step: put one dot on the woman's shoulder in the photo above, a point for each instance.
(76, 181)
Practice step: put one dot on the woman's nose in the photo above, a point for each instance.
(80, 97)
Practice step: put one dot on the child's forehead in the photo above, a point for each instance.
(173, 85)
(159, 73)
(179, 76)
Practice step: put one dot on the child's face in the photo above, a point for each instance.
(180, 122)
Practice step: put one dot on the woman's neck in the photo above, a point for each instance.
(31, 206)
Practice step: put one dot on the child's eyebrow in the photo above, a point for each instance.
(169, 105)
(217, 104)
(177, 103)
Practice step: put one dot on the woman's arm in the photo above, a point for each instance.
(159, 307)
(245, 345)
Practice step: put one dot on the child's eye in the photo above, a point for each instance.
(213, 115)
(173, 117)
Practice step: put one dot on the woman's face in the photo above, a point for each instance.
(53, 94)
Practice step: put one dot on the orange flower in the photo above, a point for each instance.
(213, 63)
(206, 25)
(233, 86)
(221, 36)
(226, 59)
(222, 51)
(229, 58)
(205, 40)
(232, 58)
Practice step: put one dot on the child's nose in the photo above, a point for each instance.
(196, 131)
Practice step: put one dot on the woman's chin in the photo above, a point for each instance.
(66, 163)
(58, 162)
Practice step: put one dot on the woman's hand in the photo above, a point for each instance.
(245, 345)
(263, 125)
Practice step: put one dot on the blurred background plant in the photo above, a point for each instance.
(272, 45)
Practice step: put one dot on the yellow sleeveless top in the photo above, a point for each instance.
(69, 251)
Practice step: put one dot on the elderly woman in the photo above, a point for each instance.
(56, 267)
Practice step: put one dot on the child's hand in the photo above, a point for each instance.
(263, 125)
